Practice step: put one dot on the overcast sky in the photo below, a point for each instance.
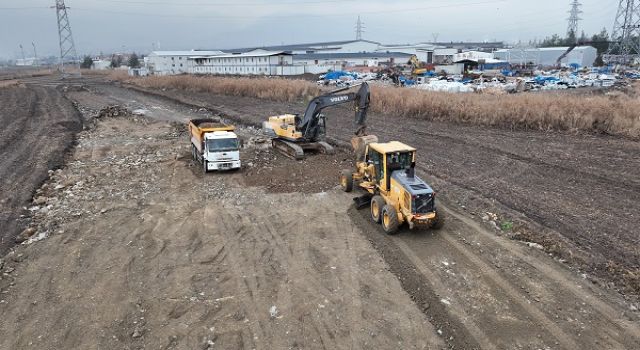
(138, 25)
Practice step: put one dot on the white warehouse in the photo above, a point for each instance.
(317, 63)
(173, 62)
(584, 56)
(257, 62)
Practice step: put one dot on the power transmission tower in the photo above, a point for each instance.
(625, 46)
(574, 18)
(35, 55)
(24, 58)
(67, 46)
(359, 29)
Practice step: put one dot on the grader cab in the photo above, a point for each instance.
(386, 173)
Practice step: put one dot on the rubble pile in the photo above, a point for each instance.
(113, 112)
(89, 188)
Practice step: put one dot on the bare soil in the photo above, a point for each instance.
(151, 253)
(137, 248)
(576, 194)
(38, 126)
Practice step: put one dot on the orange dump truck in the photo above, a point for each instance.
(214, 144)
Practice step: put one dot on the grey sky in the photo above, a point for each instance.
(114, 25)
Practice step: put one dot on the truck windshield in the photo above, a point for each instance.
(222, 145)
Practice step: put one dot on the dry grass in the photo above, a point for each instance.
(616, 114)
(267, 88)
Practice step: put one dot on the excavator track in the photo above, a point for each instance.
(326, 148)
(289, 149)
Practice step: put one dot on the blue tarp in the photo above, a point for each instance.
(339, 74)
(543, 80)
(406, 82)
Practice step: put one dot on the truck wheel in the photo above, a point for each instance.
(377, 203)
(346, 180)
(205, 165)
(439, 221)
(390, 221)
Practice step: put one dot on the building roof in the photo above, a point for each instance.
(306, 46)
(477, 60)
(257, 53)
(346, 55)
(186, 53)
(558, 48)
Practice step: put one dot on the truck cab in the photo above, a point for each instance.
(214, 144)
(222, 150)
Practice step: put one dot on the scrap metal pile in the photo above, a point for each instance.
(541, 80)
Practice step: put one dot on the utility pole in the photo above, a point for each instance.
(359, 29)
(67, 46)
(624, 47)
(35, 55)
(573, 19)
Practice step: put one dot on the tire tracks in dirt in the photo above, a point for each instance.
(565, 279)
(457, 326)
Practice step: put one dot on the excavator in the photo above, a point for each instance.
(293, 135)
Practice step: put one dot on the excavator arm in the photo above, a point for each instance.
(309, 124)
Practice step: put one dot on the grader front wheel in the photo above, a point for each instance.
(346, 180)
(377, 203)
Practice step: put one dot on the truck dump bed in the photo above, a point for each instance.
(201, 126)
(198, 127)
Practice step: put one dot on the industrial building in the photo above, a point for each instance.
(317, 63)
(347, 46)
(256, 62)
(584, 56)
(297, 59)
(173, 62)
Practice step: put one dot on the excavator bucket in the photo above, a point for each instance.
(362, 201)
(359, 144)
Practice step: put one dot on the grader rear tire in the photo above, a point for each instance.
(439, 222)
(390, 221)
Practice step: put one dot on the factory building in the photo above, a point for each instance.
(348, 46)
(423, 52)
(297, 59)
(317, 63)
(173, 62)
(584, 56)
(256, 62)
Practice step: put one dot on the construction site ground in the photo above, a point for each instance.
(134, 247)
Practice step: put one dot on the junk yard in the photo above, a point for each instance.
(328, 195)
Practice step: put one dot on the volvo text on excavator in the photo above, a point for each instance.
(293, 135)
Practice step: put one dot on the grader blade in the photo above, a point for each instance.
(362, 201)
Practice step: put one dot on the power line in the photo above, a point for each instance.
(298, 15)
(200, 4)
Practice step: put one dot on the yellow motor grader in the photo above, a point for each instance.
(386, 172)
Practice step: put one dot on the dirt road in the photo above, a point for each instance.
(38, 125)
(577, 195)
(146, 252)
